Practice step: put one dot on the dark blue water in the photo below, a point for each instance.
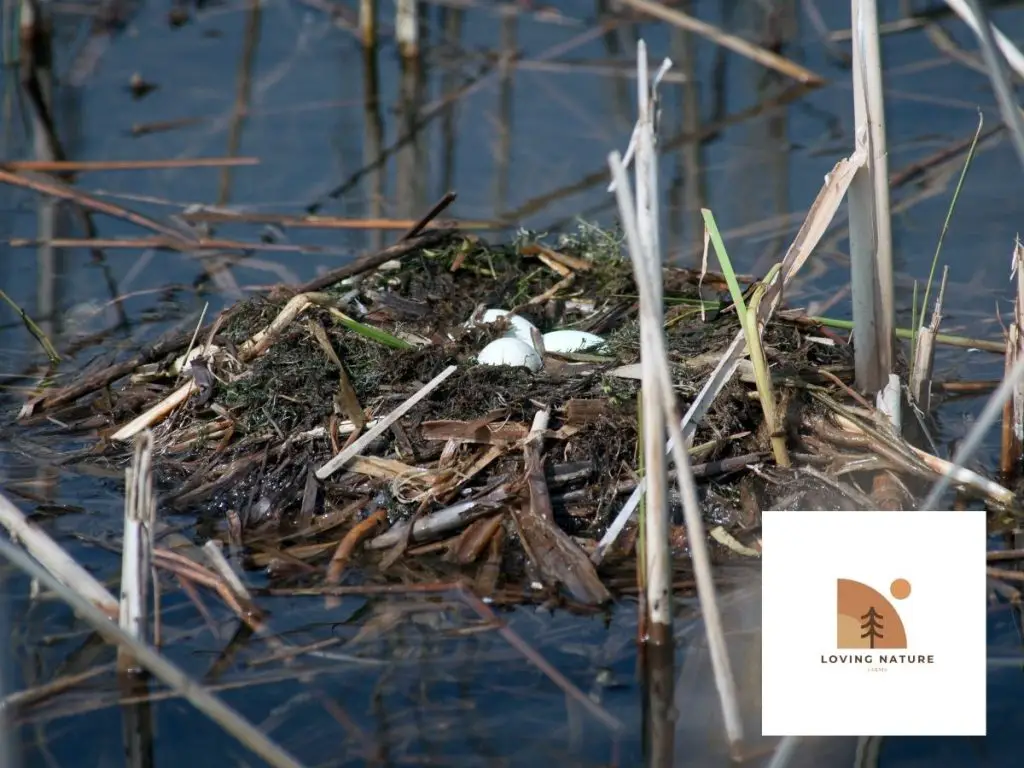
(432, 698)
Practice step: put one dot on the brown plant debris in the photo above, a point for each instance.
(497, 476)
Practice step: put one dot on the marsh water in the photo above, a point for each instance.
(515, 107)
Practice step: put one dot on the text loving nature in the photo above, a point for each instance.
(882, 658)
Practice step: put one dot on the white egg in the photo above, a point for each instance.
(567, 341)
(510, 351)
(519, 327)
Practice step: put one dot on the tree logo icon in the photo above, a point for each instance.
(867, 619)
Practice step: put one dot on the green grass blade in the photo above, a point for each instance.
(949, 215)
(369, 332)
(727, 271)
(34, 329)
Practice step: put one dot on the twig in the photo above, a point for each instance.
(180, 240)
(871, 276)
(374, 260)
(84, 166)
(724, 679)
(558, 558)
(970, 443)
(183, 685)
(447, 199)
(55, 559)
(762, 56)
(137, 552)
(156, 413)
(382, 425)
(348, 545)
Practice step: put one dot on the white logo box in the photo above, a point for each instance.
(874, 624)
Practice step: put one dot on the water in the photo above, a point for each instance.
(530, 151)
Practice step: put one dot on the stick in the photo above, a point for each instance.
(83, 166)
(724, 679)
(374, 260)
(55, 559)
(871, 278)
(183, 685)
(137, 553)
(736, 44)
(992, 410)
(382, 426)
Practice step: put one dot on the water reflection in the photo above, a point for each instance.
(515, 108)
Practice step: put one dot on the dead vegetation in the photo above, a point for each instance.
(465, 484)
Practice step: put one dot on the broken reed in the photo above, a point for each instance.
(871, 275)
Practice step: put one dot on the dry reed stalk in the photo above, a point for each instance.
(648, 266)
(762, 56)
(1012, 53)
(442, 521)
(180, 240)
(382, 425)
(1013, 411)
(818, 219)
(85, 166)
(137, 550)
(870, 225)
(407, 28)
(558, 558)
(924, 353)
(655, 341)
(157, 413)
(53, 557)
(197, 694)
(219, 563)
(970, 443)
(163, 243)
(368, 23)
(230, 216)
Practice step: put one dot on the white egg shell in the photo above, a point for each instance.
(519, 327)
(568, 341)
(510, 351)
(184, 361)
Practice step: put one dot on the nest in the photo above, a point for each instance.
(277, 430)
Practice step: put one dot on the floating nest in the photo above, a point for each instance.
(274, 426)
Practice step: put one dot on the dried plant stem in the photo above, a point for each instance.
(55, 559)
(382, 426)
(996, 66)
(992, 410)
(368, 27)
(407, 28)
(646, 257)
(724, 679)
(870, 225)
(762, 56)
(1013, 411)
(183, 685)
(924, 353)
(137, 552)
(83, 166)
